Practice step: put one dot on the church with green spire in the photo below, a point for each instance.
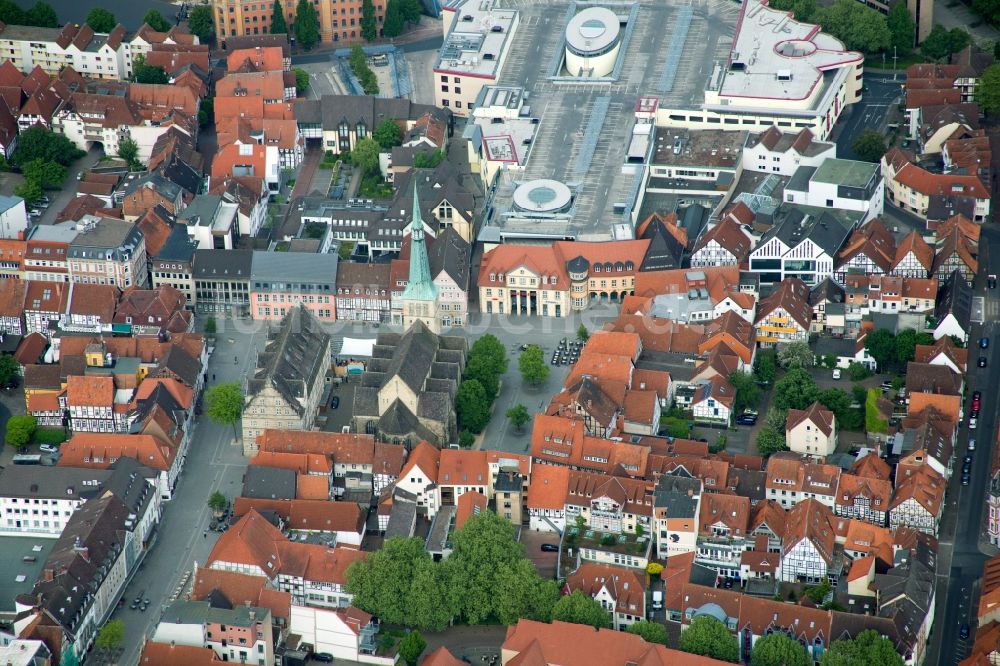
(420, 297)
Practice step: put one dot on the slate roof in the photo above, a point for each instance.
(793, 226)
(295, 355)
(955, 298)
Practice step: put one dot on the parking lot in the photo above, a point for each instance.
(544, 561)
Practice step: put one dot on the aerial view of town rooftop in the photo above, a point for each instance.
(563, 332)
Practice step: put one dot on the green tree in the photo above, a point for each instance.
(306, 24)
(582, 334)
(796, 390)
(369, 28)
(388, 134)
(491, 350)
(989, 10)
(937, 44)
(778, 650)
(20, 429)
(224, 404)
(39, 142)
(484, 558)
(906, 345)
(472, 406)
(770, 441)
(902, 29)
(200, 22)
(987, 92)
(858, 371)
(531, 364)
(881, 346)
(365, 155)
(217, 502)
(392, 23)
(301, 80)
(803, 10)
(580, 608)
(128, 150)
(423, 601)
(747, 391)
(278, 24)
(869, 648)
(428, 159)
(412, 645)
(859, 27)
(765, 367)
(154, 19)
(829, 361)
(518, 415)
(869, 145)
(42, 15)
(522, 593)
(796, 355)
(818, 592)
(958, 39)
(10, 370)
(710, 638)
(143, 73)
(30, 190)
(839, 402)
(651, 632)
(111, 637)
(101, 20)
(211, 326)
(480, 369)
(411, 10)
(49, 175)
(466, 439)
(206, 110)
(11, 13)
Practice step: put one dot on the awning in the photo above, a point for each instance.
(357, 347)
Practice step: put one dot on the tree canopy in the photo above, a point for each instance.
(518, 415)
(278, 24)
(200, 22)
(217, 502)
(10, 370)
(365, 155)
(881, 346)
(472, 406)
(778, 650)
(765, 366)
(143, 73)
(49, 175)
(37, 142)
(224, 403)
(796, 355)
(388, 134)
(369, 28)
(869, 648)
(392, 23)
(301, 80)
(651, 632)
(861, 28)
(902, 28)
(306, 24)
(411, 647)
(747, 391)
(941, 42)
(531, 364)
(154, 19)
(580, 608)
(708, 637)
(20, 429)
(796, 390)
(101, 20)
(869, 145)
(111, 636)
(988, 90)
(770, 440)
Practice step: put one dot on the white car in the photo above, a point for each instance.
(972, 423)
(836, 373)
(48, 448)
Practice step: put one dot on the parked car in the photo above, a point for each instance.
(335, 402)
(984, 343)
(973, 422)
(972, 444)
(550, 548)
(982, 362)
(48, 448)
(965, 479)
(836, 373)
(886, 385)
(963, 631)
(323, 657)
(744, 419)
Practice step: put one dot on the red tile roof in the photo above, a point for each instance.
(168, 654)
(469, 504)
(100, 450)
(241, 589)
(90, 391)
(822, 418)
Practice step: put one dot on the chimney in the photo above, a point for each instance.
(48, 574)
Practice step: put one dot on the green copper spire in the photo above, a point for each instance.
(421, 286)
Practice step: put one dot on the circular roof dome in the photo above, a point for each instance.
(594, 29)
(712, 610)
(542, 196)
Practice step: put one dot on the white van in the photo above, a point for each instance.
(657, 600)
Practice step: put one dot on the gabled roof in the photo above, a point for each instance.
(814, 521)
(791, 295)
(915, 243)
(728, 234)
(874, 241)
(821, 418)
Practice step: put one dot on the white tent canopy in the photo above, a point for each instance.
(357, 347)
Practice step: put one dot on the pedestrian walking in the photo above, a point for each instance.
(204, 534)
(236, 360)
(213, 376)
